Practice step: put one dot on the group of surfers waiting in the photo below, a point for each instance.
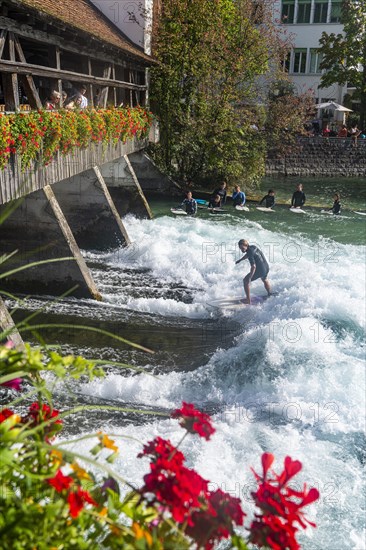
(219, 196)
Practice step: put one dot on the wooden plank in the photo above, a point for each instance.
(90, 86)
(28, 68)
(31, 90)
(7, 325)
(3, 35)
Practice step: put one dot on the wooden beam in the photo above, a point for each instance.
(90, 86)
(31, 90)
(28, 32)
(114, 88)
(104, 95)
(28, 68)
(2, 41)
(12, 86)
(58, 67)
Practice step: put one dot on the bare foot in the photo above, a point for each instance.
(246, 301)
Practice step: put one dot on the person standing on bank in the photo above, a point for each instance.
(259, 267)
(298, 198)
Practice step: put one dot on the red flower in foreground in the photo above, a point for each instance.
(14, 384)
(77, 499)
(4, 414)
(280, 506)
(60, 482)
(194, 421)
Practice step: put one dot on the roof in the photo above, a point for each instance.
(82, 15)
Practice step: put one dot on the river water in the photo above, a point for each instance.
(287, 376)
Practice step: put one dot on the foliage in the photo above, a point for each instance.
(344, 55)
(54, 498)
(292, 110)
(40, 135)
(204, 88)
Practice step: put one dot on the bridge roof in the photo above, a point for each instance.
(84, 16)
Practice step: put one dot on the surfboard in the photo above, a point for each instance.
(361, 213)
(297, 210)
(218, 211)
(326, 211)
(264, 209)
(178, 212)
(241, 208)
(201, 201)
(236, 303)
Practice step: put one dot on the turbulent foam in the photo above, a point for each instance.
(292, 383)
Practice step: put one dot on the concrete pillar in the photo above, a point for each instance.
(39, 232)
(124, 187)
(90, 211)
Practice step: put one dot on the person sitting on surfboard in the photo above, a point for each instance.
(238, 196)
(190, 204)
(215, 201)
(298, 198)
(336, 209)
(259, 267)
(221, 191)
(269, 198)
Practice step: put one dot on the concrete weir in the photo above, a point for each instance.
(43, 235)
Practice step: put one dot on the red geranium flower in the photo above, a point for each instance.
(194, 421)
(77, 499)
(60, 482)
(4, 414)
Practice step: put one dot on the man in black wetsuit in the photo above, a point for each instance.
(337, 204)
(258, 267)
(215, 201)
(221, 191)
(270, 199)
(190, 204)
(298, 198)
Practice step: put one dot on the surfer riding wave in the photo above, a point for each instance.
(259, 267)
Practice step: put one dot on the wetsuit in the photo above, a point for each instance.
(336, 207)
(298, 199)
(222, 193)
(190, 206)
(256, 257)
(213, 204)
(270, 201)
(238, 198)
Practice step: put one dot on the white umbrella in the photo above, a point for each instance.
(333, 105)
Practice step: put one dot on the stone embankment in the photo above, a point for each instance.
(318, 156)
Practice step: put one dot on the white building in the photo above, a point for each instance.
(305, 20)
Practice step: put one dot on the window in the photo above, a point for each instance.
(299, 60)
(288, 11)
(335, 12)
(315, 60)
(303, 11)
(320, 11)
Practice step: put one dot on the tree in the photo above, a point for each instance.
(344, 55)
(204, 88)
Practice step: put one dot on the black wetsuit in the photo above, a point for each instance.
(270, 201)
(336, 207)
(213, 204)
(222, 193)
(256, 257)
(190, 206)
(298, 199)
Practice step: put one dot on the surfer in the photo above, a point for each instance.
(238, 196)
(259, 267)
(189, 204)
(336, 208)
(298, 198)
(221, 191)
(269, 198)
(215, 201)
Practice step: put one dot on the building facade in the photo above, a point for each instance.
(305, 21)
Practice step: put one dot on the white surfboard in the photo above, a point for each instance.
(297, 210)
(178, 212)
(326, 211)
(264, 209)
(236, 303)
(218, 211)
(361, 213)
(242, 208)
